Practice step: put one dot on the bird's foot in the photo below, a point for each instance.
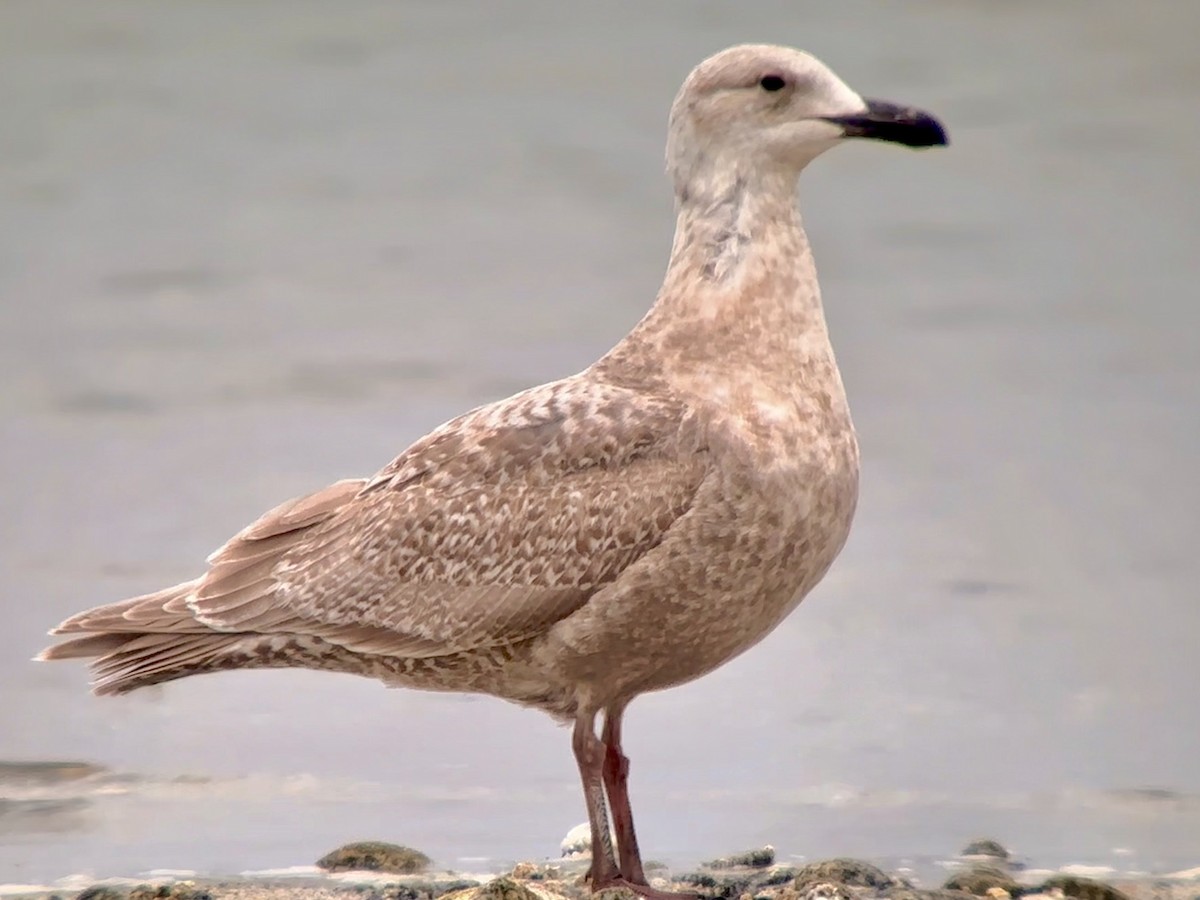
(642, 890)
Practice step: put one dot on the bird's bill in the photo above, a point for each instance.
(885, 121)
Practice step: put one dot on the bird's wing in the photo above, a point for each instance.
(485, 532)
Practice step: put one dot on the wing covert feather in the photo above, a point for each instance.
(487, 531)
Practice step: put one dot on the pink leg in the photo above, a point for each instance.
(589, 754)
(616, 785)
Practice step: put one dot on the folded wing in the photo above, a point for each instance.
(486, 532)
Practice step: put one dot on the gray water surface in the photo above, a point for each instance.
(247, 249)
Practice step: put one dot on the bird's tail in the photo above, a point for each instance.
(146, 640)
(167, 635)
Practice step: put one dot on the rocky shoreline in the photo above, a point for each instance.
(380, 871)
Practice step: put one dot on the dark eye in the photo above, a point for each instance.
(771, 83)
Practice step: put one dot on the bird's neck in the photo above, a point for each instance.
(732, 232)
(740, 293)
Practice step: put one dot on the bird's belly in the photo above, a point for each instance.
(784, 544)
(754, 544)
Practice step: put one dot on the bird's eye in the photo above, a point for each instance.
(771, 83)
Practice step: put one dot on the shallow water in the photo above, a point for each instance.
(245, 250)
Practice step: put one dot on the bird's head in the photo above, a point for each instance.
(770, 110)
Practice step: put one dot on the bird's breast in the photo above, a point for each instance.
(791, 463)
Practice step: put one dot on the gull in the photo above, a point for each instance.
(622, 530)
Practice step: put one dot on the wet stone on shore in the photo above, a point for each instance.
(986, 847)
(177, 891)
(374, 856)
(755, 859)
(100, 892)
(842, 870)
(505, 888)
(1081, 888)
(418, 890)
(982, 881)
(751, 875)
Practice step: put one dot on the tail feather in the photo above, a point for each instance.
(166, 635)
(121, 662)
(83, 647)
(159, 658)
(164, 610)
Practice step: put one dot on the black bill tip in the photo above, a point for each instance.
(883, 121)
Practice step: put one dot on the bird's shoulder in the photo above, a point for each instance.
(544, 433)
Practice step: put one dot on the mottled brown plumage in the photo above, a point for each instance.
(619, 531)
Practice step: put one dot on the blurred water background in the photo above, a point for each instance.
(249, 248)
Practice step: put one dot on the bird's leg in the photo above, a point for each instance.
(616, 784)
(589, 754)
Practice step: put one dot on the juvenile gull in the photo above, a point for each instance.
(619, 531)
